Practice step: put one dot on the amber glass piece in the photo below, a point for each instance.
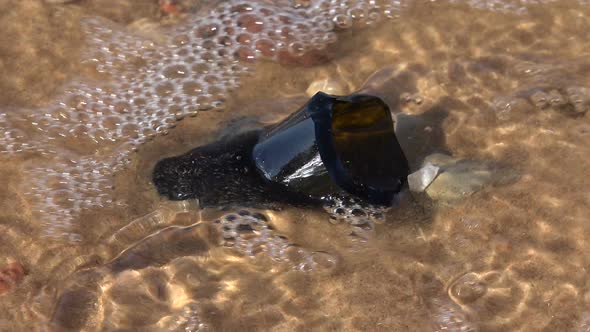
(331, 146)
(335, 144)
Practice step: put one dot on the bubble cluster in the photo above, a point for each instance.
(573, 99)
(361, 216)
(147, 85)
(577, 98)
(62, 189)
(252, 235)
(153, 85)
(352, 209)
(13, 139)
(505, 6)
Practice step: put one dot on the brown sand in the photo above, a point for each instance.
(510, 257)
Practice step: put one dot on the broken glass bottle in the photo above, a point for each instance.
(333, 145)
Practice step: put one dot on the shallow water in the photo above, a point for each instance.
(501, 82)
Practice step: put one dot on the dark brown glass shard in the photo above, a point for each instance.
(331, 146)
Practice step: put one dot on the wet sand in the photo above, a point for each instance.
(510, 257)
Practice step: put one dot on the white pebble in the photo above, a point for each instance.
(421, 179)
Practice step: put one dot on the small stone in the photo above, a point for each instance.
(421, 179)
(461, 178)
(10, 276)
(328, 85)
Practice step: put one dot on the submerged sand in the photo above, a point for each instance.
(510, 88)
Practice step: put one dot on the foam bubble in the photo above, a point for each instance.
(572, 99)
(148, 87)
(62, 189)
(148, 84)
(362, 217)
(252, 235)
